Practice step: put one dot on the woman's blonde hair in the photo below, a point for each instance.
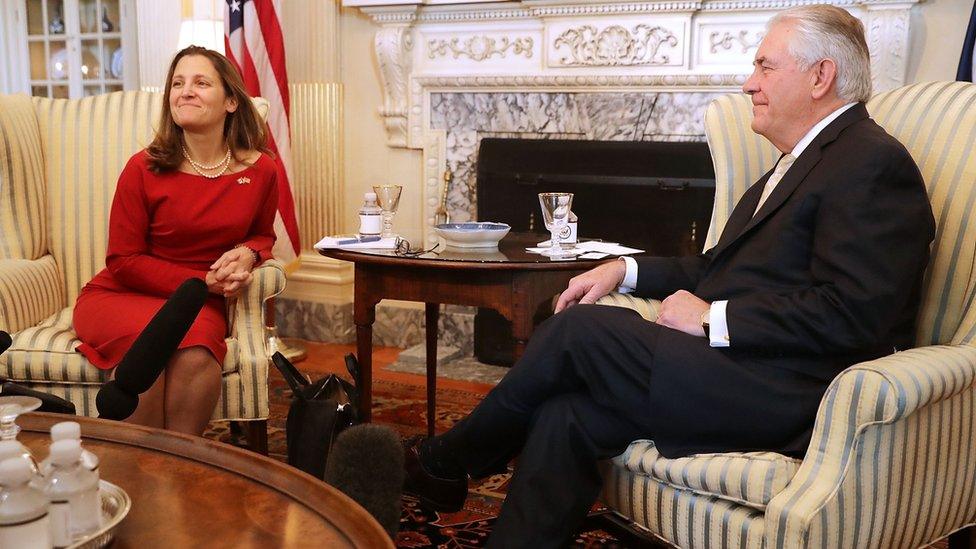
(244, 130)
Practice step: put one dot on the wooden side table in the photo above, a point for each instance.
(517, 284)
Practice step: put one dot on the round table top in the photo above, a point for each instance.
(510, 254)
(192, 492)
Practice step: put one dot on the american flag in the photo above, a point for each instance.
(967, 63)
(253, 41)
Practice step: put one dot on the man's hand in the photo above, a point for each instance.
(593, 284)
(683, 311)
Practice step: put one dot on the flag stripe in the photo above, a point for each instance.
(275, 47)
(254, 43)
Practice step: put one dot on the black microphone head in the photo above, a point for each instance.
(155, 345)
(366, 464)
(5, 341)
(114, 403)
(146, 359)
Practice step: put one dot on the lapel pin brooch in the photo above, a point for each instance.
(243, 180)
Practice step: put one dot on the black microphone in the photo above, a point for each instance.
(5, 341)
(366, 464)
(142, 364)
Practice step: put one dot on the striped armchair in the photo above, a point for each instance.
(59, 163)
(892, 462)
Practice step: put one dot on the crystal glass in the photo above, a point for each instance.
(10, 408)
(555, 212)
(388, 197)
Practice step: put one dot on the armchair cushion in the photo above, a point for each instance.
(747, 478)
(46, 353)
(30, 291)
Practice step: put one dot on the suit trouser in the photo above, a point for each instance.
(578, 395)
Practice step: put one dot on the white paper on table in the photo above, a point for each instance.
(579, 245)
(609, 248)
(593, 255)
(331, 242)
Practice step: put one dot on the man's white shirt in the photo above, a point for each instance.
(718, 326)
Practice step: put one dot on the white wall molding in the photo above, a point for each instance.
(424, 45)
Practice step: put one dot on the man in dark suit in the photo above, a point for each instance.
(819, 267)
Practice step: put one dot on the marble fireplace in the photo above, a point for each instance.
(457, 71)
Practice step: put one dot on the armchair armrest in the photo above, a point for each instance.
(246, 322)
(648, 308)
(30, 291)
(857, 414)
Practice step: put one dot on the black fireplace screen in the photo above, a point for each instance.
(656, 196)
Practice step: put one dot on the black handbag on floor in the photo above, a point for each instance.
(318, 413)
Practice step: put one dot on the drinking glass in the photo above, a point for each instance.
(555, 212)
(388, 197)
(10, 408)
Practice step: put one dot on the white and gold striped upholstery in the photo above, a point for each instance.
(892, 462)
(22, 219)
(79, 148)
(86, 143)
(739, 156)
(748, 478)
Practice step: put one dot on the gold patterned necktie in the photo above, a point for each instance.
(781, 167)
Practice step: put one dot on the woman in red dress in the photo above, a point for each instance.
(200, 202)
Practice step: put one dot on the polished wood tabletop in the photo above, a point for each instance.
(193, 492)
(519, 285)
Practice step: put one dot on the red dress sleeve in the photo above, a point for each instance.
(261, 236)
(128, 257)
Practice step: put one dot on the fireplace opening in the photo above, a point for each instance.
(656, 196)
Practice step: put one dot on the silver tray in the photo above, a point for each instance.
(115, 506)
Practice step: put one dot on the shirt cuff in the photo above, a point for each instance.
(629, 283)
(718, 326)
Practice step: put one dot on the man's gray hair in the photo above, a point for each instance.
(828, 32)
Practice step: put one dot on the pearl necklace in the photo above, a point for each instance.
(224, 164)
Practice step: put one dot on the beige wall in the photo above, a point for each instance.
(939, 27)
(368, 161)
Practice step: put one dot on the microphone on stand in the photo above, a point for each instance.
(142, 364)
(366, 464)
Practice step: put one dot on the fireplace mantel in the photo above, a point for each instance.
(585, 45)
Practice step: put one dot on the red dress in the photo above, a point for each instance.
(164, 229)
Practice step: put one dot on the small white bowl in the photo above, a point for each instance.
(484, 234)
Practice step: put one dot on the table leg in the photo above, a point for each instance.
(521, 331)
(432, 311)
(364, 352)
(364, 315)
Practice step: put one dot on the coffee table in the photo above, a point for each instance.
(193, 492)
(518, 284)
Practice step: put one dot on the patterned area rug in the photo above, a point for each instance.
(399, 401)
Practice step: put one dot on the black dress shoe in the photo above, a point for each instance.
(437, 493)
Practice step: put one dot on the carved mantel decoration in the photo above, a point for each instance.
(479, 48)
(615, 45)
(495, 47)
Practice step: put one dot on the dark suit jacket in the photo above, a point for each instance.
(825, 275)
